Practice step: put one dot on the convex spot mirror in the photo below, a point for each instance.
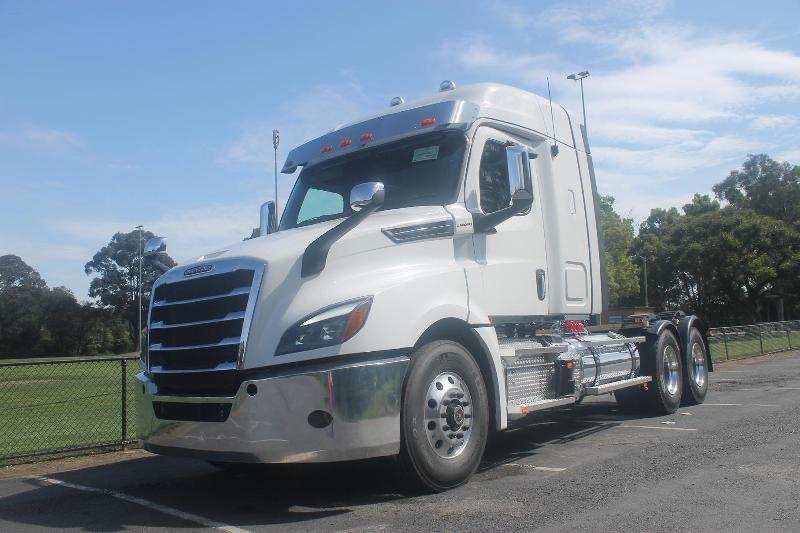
(371, 193)
(155, 246)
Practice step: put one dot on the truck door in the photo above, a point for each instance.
(512, 258)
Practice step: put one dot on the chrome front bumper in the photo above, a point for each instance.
(273, 425)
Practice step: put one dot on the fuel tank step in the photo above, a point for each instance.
(512, 349)
(524, 406)
(616, 385)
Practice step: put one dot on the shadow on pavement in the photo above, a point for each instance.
(261, 494)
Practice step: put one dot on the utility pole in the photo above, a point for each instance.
(139, 308)
(275, 141)
(579, 77)
(644, 264)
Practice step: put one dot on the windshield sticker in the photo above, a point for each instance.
(423, 154)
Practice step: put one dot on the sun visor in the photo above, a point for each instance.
(381, 129)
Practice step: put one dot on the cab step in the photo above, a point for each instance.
(616, 385)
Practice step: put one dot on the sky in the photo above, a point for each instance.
(114, 114)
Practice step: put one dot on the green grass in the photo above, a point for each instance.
(63, 405)
(742, 347)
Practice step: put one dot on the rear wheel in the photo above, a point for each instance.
(665, 363)
(444, 422)
(695, 378)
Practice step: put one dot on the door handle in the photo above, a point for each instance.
(541, 289)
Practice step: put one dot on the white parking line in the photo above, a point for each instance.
(740, 404)
(534, 467)
(189, 517)
(653, 427)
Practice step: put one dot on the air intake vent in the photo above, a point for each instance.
(430, 230)
(200, 323)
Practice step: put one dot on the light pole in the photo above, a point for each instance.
(139, 308)
(579, 77)
(275, 141)
(644, 264)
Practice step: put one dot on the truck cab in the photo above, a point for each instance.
(428, 282)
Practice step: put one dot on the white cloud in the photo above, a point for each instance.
(764, 122)
(43, 138)
(666, 103)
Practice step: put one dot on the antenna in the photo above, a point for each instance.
(554, 146)
(276, 139)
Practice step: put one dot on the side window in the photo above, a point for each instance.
(319, 203)
(493, 175)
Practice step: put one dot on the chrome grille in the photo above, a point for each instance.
(200, 323)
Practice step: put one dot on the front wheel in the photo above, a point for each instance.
(444, 421)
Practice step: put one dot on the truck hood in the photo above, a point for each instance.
(289, 245)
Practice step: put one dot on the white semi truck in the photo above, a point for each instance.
(428, 284)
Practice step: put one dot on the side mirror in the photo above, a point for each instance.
(268, 220)
(155, 246)
(519, 169)
(371, 193)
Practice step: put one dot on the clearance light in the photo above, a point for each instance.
(430, 121)
(345, 143)
(327, 149)
(365, 137)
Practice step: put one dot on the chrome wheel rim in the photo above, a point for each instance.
(448, 415)
(669, 371)
(698, 365)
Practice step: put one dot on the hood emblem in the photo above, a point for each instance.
(199, 269)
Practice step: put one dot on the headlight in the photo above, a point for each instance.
(328, 327)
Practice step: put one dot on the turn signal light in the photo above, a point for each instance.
(327, 149)
(430, 121)
(365, 137)
(345, 143)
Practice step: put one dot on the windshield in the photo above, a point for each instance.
(423, 170)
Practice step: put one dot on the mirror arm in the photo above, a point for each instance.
(316, 254)
(483, 223)
(158, 264)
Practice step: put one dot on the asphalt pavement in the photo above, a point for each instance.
(731, 464)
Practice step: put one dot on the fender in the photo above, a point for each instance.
(658, 326)
(693, 321)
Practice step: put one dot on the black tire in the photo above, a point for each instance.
(695, 371)
(431, 457)
(662, 360)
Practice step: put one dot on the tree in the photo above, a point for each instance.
(14, 272)
(765, 186)
(717, 262)
(117, 268)
(622, 274)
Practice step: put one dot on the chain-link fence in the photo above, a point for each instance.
(742, 341)
(56, 406)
